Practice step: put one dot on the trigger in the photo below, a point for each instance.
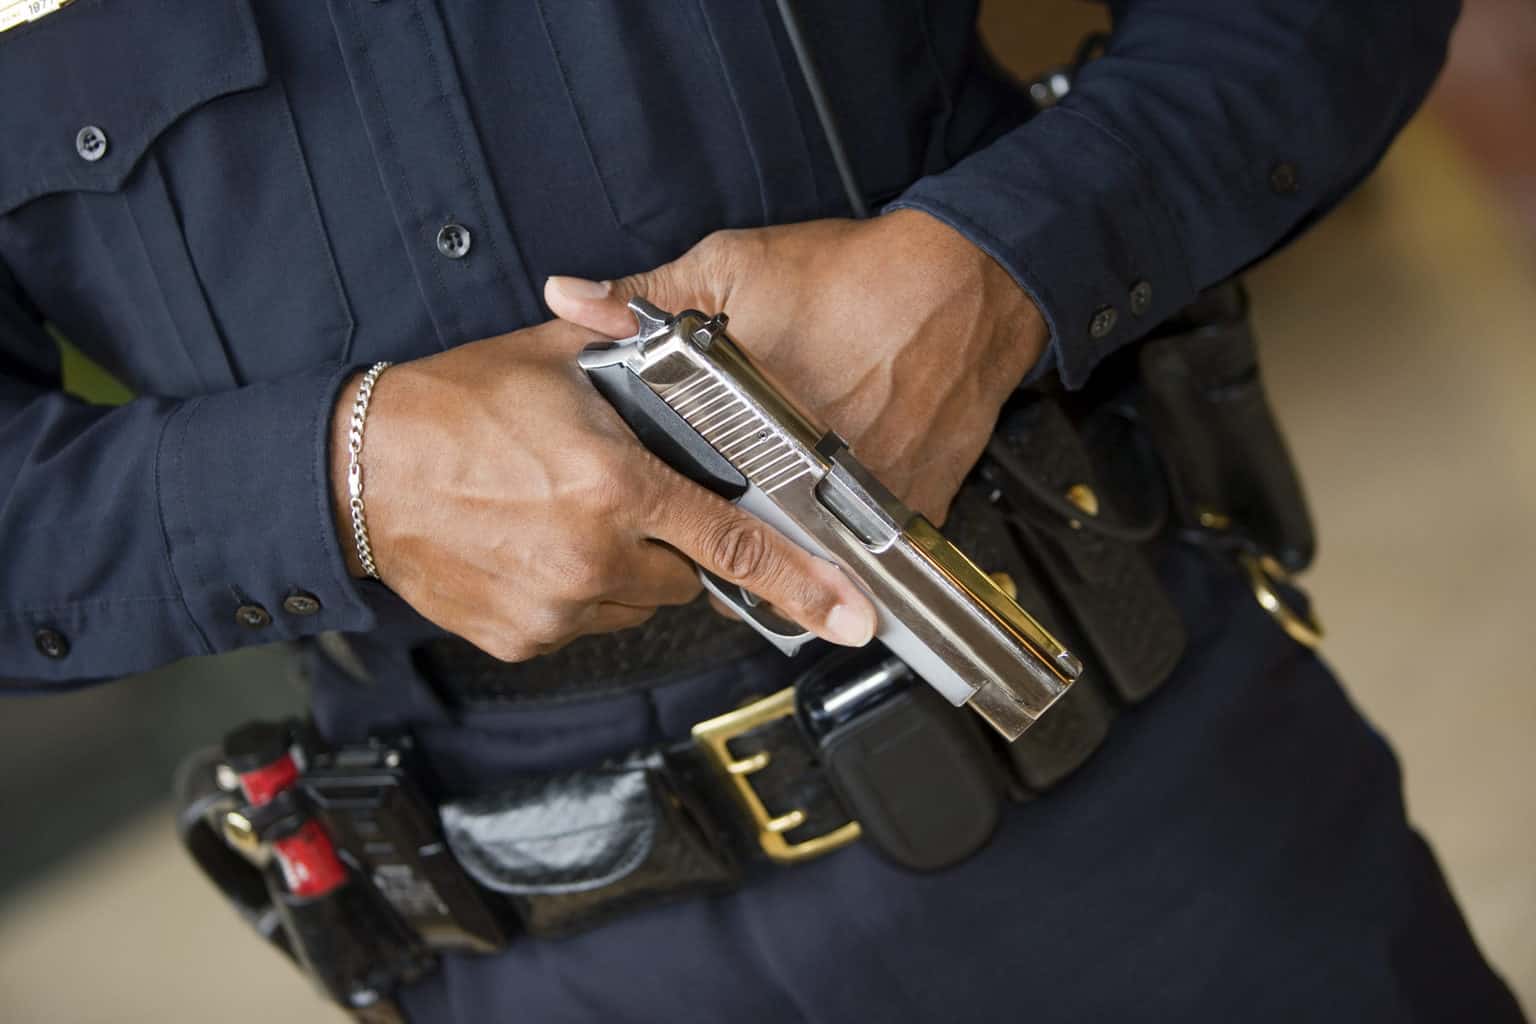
(787, 636)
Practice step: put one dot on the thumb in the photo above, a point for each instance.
(596, 305)
(689, 281)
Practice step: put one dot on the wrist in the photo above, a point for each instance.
(1019, 331)
(1013, 326)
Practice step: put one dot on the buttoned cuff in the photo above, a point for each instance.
(244, 486)
(1068, 209)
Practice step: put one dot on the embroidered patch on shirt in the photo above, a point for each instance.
(19, 12)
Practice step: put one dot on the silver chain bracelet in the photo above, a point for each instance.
(355, 468)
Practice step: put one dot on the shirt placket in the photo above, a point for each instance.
(433, 168)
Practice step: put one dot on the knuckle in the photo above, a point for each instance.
(578, 576)
(712, 245)
(576, 570)
(717, 254)
(636, 617)
(740, 548)
(633, 284)
(508, 649)
(548, 628)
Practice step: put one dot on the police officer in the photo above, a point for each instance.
(237, 206)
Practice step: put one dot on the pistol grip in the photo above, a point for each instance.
(665, 433)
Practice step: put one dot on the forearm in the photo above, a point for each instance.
(1209, 132)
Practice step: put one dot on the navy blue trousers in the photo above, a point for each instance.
(1238, 851)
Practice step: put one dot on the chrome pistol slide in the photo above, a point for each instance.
(694, 398)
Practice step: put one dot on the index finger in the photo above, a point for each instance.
(744, 550)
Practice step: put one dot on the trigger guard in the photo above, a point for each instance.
(754, 613)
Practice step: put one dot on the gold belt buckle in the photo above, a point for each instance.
(714, 736)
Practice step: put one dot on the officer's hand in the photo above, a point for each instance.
(898, 331)
(507, 503)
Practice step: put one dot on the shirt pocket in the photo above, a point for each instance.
(155, 200)
(686, 112)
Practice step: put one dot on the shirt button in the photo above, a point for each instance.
(453, 241)
(1103, 322)
(1283, 179)
(51, 643)
(91, 143)
(253, 616)
(301, 603)
(1141, 297)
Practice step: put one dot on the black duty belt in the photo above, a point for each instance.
(1174, 444)
(345, 861)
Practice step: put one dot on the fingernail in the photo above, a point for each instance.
(579, 289)
(850, 625)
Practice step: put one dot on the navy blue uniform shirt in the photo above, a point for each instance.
(228, 202)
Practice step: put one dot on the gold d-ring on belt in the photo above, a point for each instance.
(1264, 575)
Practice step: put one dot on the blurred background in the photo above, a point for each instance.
(1399, 338)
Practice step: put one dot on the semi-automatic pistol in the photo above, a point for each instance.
(694, 398)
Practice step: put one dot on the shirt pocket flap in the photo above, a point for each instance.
(123, 72)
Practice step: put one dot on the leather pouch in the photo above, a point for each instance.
(1077, 724)
(1114, 597)
(918, 779)
(571, 849)
(1064, 738)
